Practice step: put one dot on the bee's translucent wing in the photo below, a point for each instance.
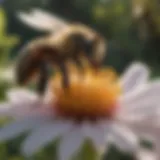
(42, 20)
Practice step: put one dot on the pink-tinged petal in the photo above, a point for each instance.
(31, 109)
(21, 126)
(70, 144)
(124, 139)
(27, 106)
(145, 154)
(21, 110)
(96, 134)
(44, 135)
(137, 74)
(105, 124)
(157, 146)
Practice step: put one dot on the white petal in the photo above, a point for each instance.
(142, 100)
(70, 144)
(21, 95)
(144, 154)
(145, 112)
(144, 131)
(96, 134)
(142, 125)
(124, 138)
(43, 136)
(134, 120)
(24, 103)
(134, 76)
(5, 109)
(21, 110)
(151, 90)
(16, 110)
(20, 126)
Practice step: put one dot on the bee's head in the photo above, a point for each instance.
(90, 43)
(95, 50)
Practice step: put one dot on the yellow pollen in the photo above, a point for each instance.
(90, 95)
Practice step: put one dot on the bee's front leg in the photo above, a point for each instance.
(65, 77)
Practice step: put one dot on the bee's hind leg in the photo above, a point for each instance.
(43, 78)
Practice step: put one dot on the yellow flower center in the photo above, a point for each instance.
(90, 95)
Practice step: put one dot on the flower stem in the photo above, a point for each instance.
(88, 152)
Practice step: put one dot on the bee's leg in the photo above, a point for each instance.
(95, 64)
(65, 77)
(43, 78)
(79, 62)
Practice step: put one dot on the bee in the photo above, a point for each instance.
(64, 41)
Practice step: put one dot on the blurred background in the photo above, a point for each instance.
(131, 27)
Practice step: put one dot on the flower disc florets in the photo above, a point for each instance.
(90, 95)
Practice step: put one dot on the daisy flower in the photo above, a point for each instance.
(100, 107)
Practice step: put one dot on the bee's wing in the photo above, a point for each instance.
(42, 20)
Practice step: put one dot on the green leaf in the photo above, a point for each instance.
(2, 22)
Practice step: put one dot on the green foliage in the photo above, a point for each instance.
(87, 152)
(4, 86)
(115, 154)
(2, 22)
(7, 42)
